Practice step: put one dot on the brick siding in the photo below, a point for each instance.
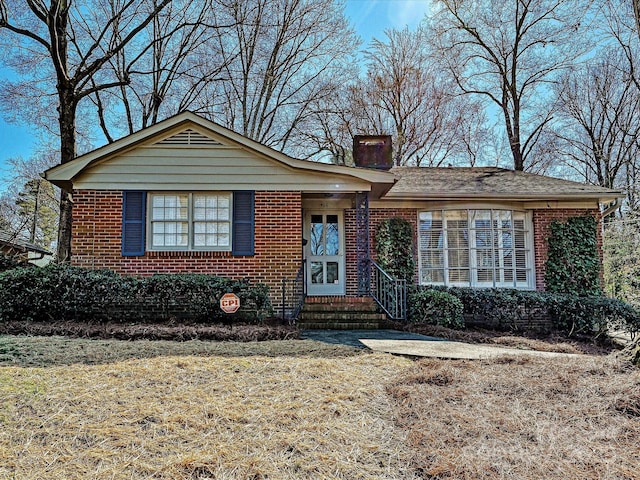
(376, 215)
(542, 220)
(97, 236)
(97, 231)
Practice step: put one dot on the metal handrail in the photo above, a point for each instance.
(293, 295)
(390, 293)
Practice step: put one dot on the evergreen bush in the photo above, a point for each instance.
(61, 292)
(436, 307)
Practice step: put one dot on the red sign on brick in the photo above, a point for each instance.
(229, 303)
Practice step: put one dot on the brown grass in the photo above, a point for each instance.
(196, 410)
(107, 409)
(524, 418)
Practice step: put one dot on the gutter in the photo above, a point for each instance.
(613, 206)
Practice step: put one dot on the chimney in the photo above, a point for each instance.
(372, 151)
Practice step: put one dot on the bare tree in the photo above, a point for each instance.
(508, 51)
(279, 58)
(409, 99)
(171, 76)
(29, 204)
(401, 94)
(601, 127)
(78, 42)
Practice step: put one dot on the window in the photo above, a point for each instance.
(190, 221)
(476, 248)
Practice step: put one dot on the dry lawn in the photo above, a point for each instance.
(522, 418)
(77, 409)
(196, 410)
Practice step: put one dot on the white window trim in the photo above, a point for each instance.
(190, 221)
(472, 249)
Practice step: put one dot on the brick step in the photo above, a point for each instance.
(340, 313)
(340, 304)
(338, 325)
(333, 316)
(340, 307)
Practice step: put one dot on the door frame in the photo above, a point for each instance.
(314, 289)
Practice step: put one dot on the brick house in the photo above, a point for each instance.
(187, 195)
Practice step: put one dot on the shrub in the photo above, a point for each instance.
(511, 309)
(591, 315)
(9, 262)
(62, 292)
(436, 307)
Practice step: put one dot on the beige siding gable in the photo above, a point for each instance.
(164, 166)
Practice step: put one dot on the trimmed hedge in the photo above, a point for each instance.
(61, 292)
(511, 309)
(436, 308)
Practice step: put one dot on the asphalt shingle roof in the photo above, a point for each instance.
(488, 182)
(10, 240)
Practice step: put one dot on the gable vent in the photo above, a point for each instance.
(189, 137)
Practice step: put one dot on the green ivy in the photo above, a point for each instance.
(573, 264)
(394, 247)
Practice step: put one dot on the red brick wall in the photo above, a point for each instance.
(542, 220)
(375, 217)
(97, 231)
(541, 224)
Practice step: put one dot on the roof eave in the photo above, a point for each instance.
(601, 198)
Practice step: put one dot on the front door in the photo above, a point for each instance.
(324, 253)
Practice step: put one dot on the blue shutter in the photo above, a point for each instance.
(133, 223)
(243, 223)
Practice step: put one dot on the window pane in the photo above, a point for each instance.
(332, 245)
(317, 272)
(431, 247)
(332, 272)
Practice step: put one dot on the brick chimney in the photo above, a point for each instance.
(372, 151)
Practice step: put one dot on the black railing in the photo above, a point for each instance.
(389, 292)
(293, 295)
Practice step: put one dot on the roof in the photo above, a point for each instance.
(475, 183)
(63, 175)
(400, 183)
(10, 240)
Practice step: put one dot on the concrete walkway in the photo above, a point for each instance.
(405, 343)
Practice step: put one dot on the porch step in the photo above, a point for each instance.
(340, 313)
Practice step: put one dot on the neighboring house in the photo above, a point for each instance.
(187, 195)
(19, 248)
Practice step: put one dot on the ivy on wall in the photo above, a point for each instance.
(394, 247)
(573, 264)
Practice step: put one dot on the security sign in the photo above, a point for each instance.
(229, 303)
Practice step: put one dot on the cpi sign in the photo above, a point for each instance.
(229, 303)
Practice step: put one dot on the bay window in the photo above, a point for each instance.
(475, 248)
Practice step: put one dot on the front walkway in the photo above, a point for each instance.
(412, 344)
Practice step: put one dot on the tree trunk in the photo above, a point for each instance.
(67, 121)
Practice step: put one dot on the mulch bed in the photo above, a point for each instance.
(139, 331)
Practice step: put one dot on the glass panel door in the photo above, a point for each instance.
(324, 253)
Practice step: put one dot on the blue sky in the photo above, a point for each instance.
(369, 17)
